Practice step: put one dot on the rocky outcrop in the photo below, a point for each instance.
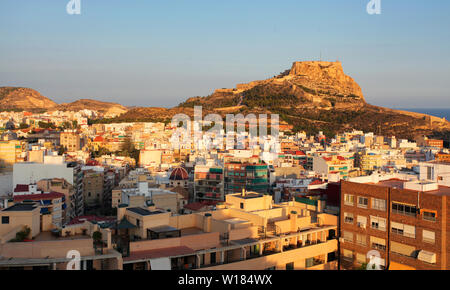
(312, 83)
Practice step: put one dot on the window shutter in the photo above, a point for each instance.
(402, 249)
(428, 235)
(409, 231)
(378, 241)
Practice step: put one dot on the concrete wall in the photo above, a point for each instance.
(53, 249)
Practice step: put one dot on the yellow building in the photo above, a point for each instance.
(47, 247)
(247, 232)
(71, 140)
(370, 161)
(10, 153)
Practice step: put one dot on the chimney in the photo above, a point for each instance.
(121, 211)
(293, 217)
(207, 223)
(243, 192)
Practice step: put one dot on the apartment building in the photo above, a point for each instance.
(53, 167)
(47, 247)
(10, 153)
(208, 183)
(71, 140)
(442, 157)
(367, 161)
(334, 164)
(405, 221)
(61, 186)
(248, 176)
(248, 231)
(93, 187)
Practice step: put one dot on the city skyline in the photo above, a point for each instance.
(160, 54)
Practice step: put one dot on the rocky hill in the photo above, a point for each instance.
(105, 108)
(25, 99)
(15, 98)
(312, 96)
(318, 96)
(310, 84)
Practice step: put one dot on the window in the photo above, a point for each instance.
(378, 244)
(363, 202)
(360, 258)
(361, 239)
(348, 236)
(138, 223)
(348, 255)
(361, 222)
(402, 249)
(290, 266)
(403, 230)
(5, 220)
(242, 205)
(409, 210)
(349, 199)
(348, 218)
(378, 223)
(428, 236)
(379, 204)
(309, 263)
(429, 216)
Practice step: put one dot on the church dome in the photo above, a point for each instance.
(179, 174)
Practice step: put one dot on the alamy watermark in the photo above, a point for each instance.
(74, 7)
(374, 7)
(209, 133)
(75, 260)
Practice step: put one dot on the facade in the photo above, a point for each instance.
(46, 248)
(61, 186)
(338, 165)
(10, 153)
(71, 140)
(406, 222)
(208, 183)
(238, 235)
(93, 187)
(53, 167)
(248, 176)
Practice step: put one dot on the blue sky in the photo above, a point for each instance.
(158, 53)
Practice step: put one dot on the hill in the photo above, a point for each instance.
(16, 98)
(105, 108)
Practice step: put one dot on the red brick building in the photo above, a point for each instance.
(409, 228)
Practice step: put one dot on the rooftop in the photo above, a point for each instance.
(144, 212)
(21, 207)
(399, 184)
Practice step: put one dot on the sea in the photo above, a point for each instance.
(438, 112)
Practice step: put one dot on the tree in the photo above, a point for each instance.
(97, 236)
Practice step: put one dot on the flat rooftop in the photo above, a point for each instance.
(397, 183)
(21, 207)
(250, 195)
(144, 212)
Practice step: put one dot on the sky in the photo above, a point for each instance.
(159, 53)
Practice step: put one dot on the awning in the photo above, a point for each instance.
(427, 257)
(160, 264)
(125, 224)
